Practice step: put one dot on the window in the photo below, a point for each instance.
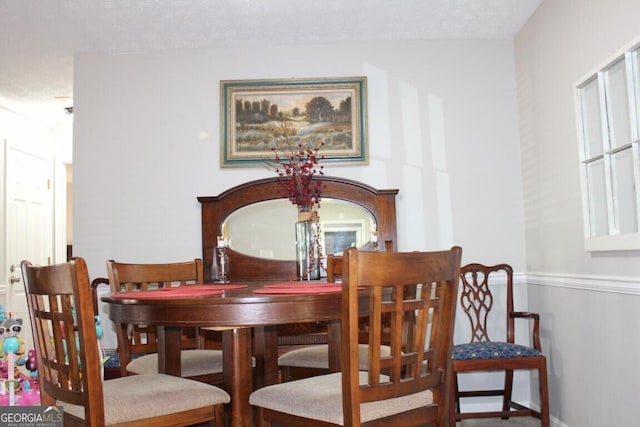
(608, 121)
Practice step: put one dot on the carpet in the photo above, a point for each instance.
(497, 422)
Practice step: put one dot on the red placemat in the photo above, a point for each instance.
(222, 286)
(286, 285)
(299, 289)
(177, 292)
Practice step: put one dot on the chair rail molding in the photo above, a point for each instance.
(611, 284)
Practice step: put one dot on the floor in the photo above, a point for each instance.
(486, 422)
(496, 422)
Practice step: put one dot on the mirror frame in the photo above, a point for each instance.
(215, 210)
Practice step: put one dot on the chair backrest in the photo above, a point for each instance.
(334, 272)
(334, 267)
(131, 277)
(335, 263)
(418, 291)
(477, 299)
(63, 324)
(125, 277)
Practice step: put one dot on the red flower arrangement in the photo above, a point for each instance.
(296, 164)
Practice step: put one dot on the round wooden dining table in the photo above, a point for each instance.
(248, 322)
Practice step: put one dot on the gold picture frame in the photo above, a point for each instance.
(330, 110)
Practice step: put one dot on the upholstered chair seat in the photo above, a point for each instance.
(318, 397)
(134, 398)
(492, 350)
(194, 362)
(317, 356)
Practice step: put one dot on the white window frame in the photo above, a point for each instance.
(611, 239)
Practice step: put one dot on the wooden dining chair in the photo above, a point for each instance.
(309, 360)
(408, 387)
(63, 322)
(482, 354)
(137, 344)
(334, 263)
(111, 362)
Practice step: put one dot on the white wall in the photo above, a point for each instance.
(588, 301)
(51, 143)
(442, 129)
(20, 133)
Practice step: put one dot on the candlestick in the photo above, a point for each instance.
(225, 232)
(224, 262)
(10, 373)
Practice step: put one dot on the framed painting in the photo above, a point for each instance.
(330, 113)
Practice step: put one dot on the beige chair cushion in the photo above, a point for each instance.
(320, 398)
(142, 396)
(317, 356)
(193, 362)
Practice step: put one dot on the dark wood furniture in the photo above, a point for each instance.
(62, 317)
(294, 347)
(483, 354)
(137, 344)
(237, 313)
(310, 360)
(409, 387)
(380, 203)
(112, 365)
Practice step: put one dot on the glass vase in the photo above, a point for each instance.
(307, 251)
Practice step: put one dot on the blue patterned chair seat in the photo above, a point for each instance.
(492, 350)
(113, 360)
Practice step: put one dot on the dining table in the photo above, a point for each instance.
(247, 314)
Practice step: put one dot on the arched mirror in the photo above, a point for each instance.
(258, 225)
(264, 229)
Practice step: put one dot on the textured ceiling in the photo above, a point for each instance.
(38, 38)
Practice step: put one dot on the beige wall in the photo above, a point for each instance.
(442, 129)
(588, 301)
(146, 143)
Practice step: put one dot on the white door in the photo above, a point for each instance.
(29, 226)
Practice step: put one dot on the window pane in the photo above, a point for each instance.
(608, 104)
(598, 224)
(591, 124)
(625, 197)
(636, 89)
(618, 104)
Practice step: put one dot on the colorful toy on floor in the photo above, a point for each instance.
(32, 364)
(16, 388)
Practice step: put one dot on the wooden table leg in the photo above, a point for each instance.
(169, 345)
(236, 347)
(265, 350)
(333, 336)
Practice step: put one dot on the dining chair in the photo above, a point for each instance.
(408, 387)
(137, 344)
(310, 360)
(482, 354)
(334, 263)
(111, 362)
(63, 322)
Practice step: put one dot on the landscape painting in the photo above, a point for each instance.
(328, 113)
